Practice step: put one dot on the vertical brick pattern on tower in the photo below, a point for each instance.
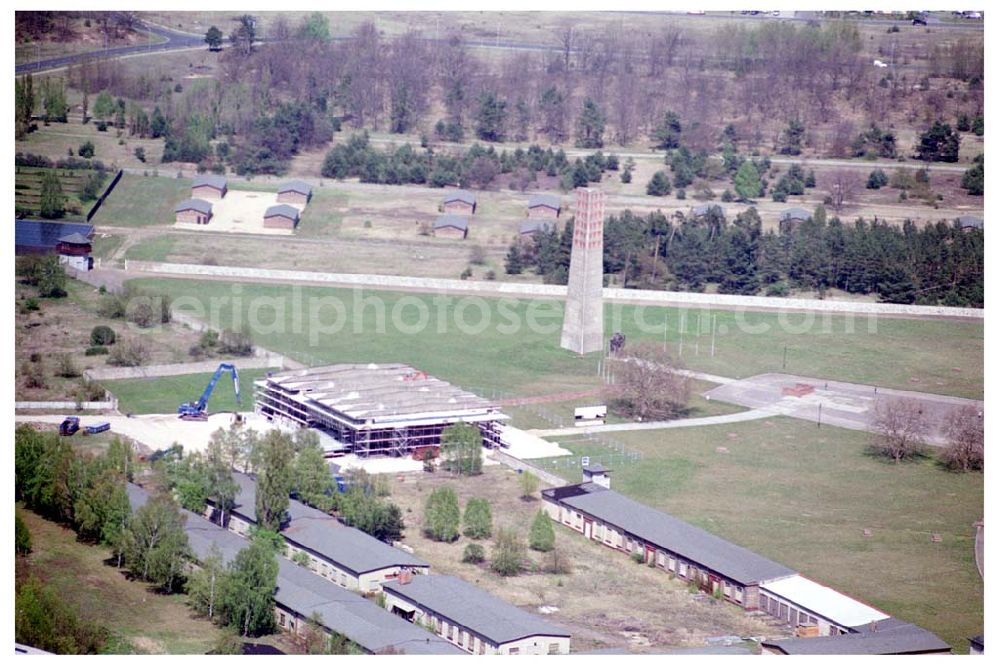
(583, 325)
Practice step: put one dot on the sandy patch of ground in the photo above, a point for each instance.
(161, 431)
(525, 445)
(241, 211)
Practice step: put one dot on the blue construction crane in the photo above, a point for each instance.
(196, 410)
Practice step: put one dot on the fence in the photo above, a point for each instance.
(174, 369)
(61, 405)
(107, 191)
(518, 464)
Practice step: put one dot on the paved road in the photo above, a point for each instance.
(175, 40)
(739, 417)
(834, 403)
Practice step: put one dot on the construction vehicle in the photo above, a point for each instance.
(69, 425)
(196, 411)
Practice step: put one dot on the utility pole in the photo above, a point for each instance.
(784, 357)
(680, 347)
(819, 416)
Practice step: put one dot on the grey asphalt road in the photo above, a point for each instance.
(834, 403)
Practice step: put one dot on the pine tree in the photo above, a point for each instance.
(659, 185)
(543, 536)
(747, 182)
(52, 203)
(514, 262)
(668, 132)
(442, 515)
(478, 519)
(590, 127)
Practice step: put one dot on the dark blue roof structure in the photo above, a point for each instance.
(32, 236)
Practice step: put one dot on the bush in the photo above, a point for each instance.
(638, 557)
(140, 153)
(682, 194)
(31, 305)
(473, 554)
(102, 335)
(34, 374)
(130, 354)
(65, 367)
(477, 255)
(877, 179)
(466, 274)
(86, 150)
(441, 515)
(236, 343)
(727, 196)
(508, 553)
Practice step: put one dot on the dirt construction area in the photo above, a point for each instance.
(161, 431)
(833, 403)
(241, 211)
(605, 600)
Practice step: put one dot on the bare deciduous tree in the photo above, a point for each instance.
(843, 188)
(964, 431)
(648, 384)
(899, 429)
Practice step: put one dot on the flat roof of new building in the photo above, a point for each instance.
(326, 536)
(473, 608)
(385, 394)
(890, 636)
(734, 562)
(824, 601)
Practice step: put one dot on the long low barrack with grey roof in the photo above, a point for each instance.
(300, 594)
(480, 615)
(661, 529)
(346, 548)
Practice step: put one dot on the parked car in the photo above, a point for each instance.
(69, 426)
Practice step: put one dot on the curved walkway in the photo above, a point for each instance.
(749, 415)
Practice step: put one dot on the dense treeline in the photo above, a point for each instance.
(599, 86)
(936, 264)
(477, 167)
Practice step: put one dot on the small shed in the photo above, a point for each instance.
(39, 237)
(792, 218)
(531, 227)
(281, 216)
(544, 206)
(193, 211)
(970, 222)
(705, 209)
(451, 226)
(74, 251)
(460, 202)
(209, 186)
(295, 191)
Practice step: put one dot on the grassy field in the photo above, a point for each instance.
(157, 248)
(63, 326)
(53, 141)
(605, 600)
(803, 497)
(488, 352)
(162, 395)
(139, 201)
(153, 623)
(105, 245)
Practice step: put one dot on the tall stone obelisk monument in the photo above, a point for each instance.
(583, 325)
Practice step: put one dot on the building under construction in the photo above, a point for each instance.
(374, 409)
